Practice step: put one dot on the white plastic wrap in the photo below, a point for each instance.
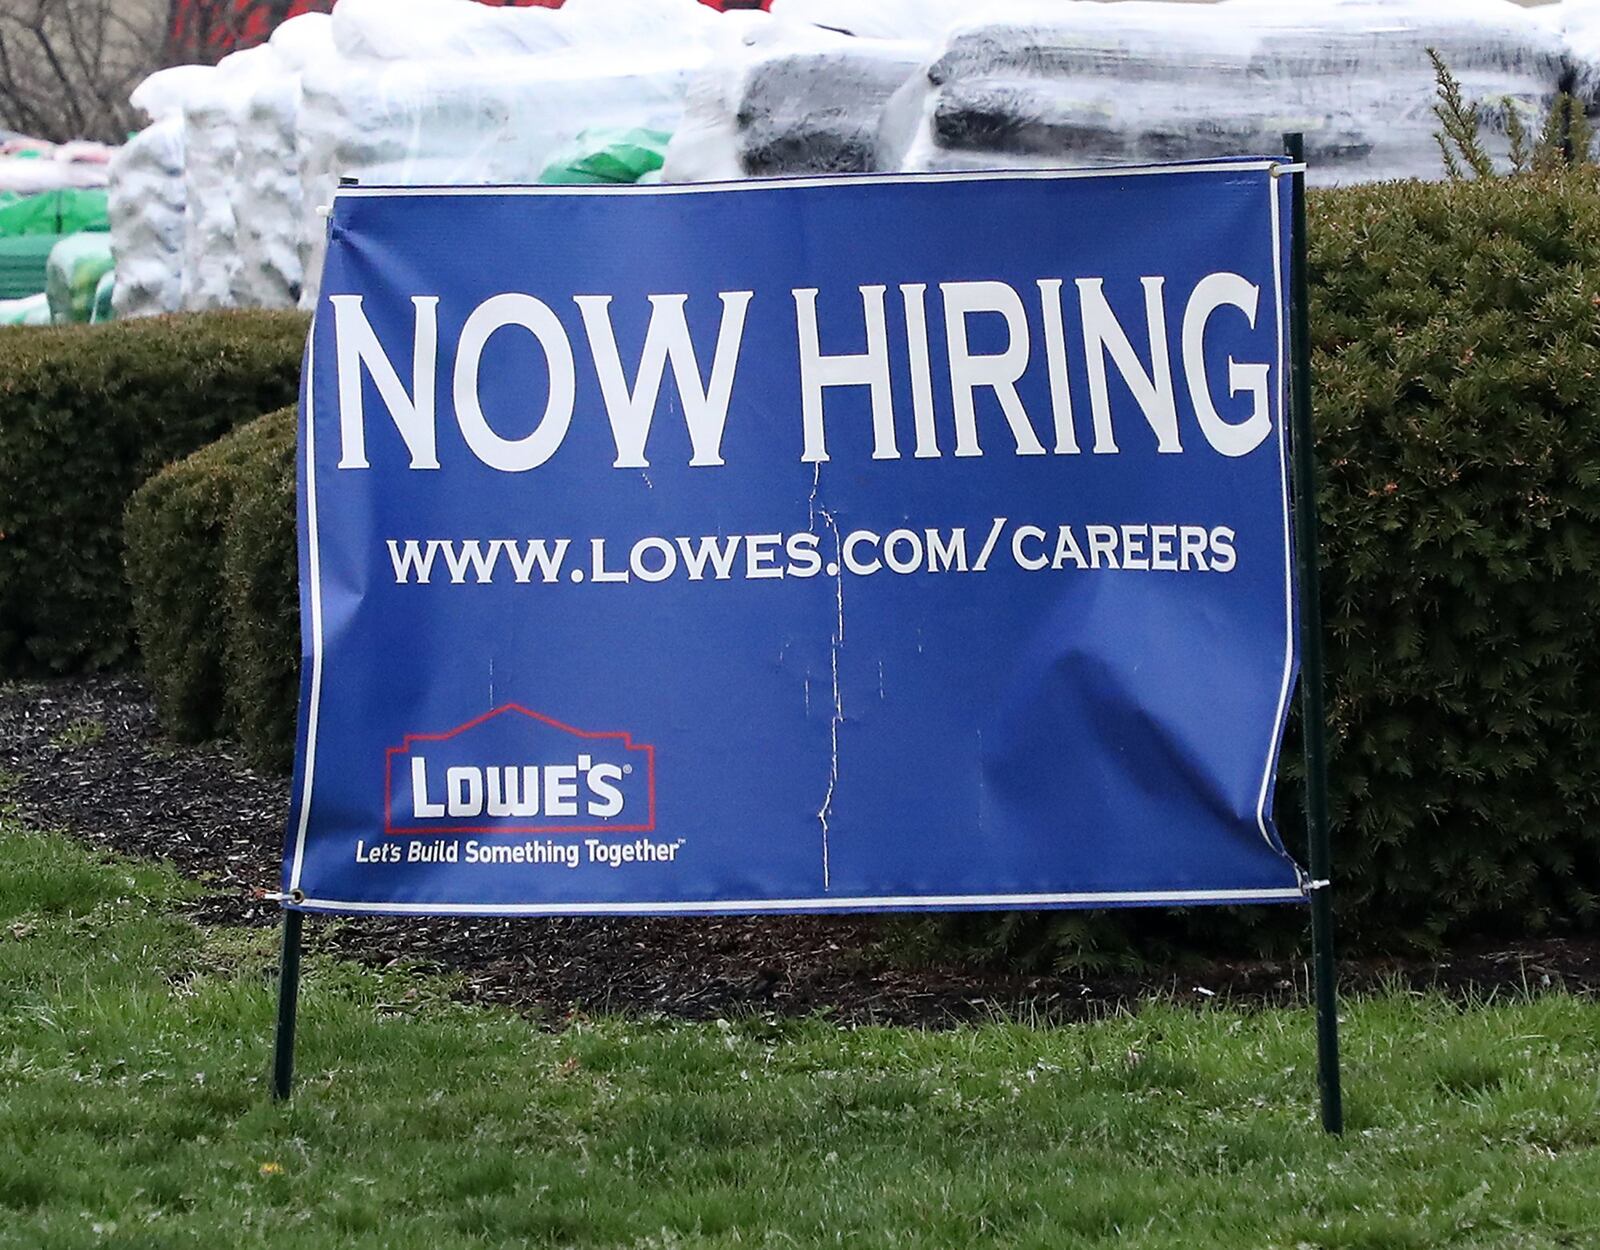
(164, 93)
(458, 93)
(146, 197)
(145, 204)
(705, 146)
(805, 106)
(303, 39)
(267, 203)
(921, 20)
(1108, 84)
(442, 30)
(212, 124)
(1578, 24)
(31, 175)
(792, 99)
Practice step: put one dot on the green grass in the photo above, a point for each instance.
(81, 733)
(133, 1048)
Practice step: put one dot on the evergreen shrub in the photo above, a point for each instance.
(181, 528)
(1456, 331)
(261, 605)
(87, 413)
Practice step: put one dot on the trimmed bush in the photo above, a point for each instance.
(176, 527)
(87, 413)
(260, 575)
(1457, 338)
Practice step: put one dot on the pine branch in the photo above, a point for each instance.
(1452, 167)
(1461, 124)
(1550, 154)
(1580, 134)
(1518, 134)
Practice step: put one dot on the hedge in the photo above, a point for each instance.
(1457, 355)
(1457, 339)
(210, 557)
(86, 414)
(261, 606)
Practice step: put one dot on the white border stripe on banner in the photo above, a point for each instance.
(870, 903)
(831, 180)
(1288, 556)
(312, 553)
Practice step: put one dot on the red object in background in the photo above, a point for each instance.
(207, 30)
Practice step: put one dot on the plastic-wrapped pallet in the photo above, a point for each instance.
(145, 205)
(267, 204)
(1578, 24)
(458, 93)
(213, 121)
(1109, 84)
(792, 99)
(921, 20)
(146, 196)
(809, 92)
(705, 146)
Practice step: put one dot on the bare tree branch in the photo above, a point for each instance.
(67, 66)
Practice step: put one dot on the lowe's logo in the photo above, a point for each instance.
(515, 771)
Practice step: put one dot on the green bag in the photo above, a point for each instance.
(77, 264)
(23, 261)
(607, 154)
(65, 211)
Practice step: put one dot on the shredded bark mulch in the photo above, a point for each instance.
(86, 756)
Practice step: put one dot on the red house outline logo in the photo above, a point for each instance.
(624, 739)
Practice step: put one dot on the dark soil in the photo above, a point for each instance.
(86, 757)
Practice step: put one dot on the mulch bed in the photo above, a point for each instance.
(87, 757)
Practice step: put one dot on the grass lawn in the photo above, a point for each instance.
(133, 1050)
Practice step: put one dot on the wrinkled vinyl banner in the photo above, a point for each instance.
(885, 542)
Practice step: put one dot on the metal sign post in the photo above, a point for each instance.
(288, 1004)
(1312, 714)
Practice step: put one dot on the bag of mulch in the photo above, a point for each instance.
(75, 268)
(791, 100)
(31, 310)
(24, 260)
(1108, 84)
(54, 212)
(608, 155)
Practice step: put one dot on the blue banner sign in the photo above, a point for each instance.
(889, 542)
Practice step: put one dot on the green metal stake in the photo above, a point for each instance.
(1312, 714)
(288, 1004)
